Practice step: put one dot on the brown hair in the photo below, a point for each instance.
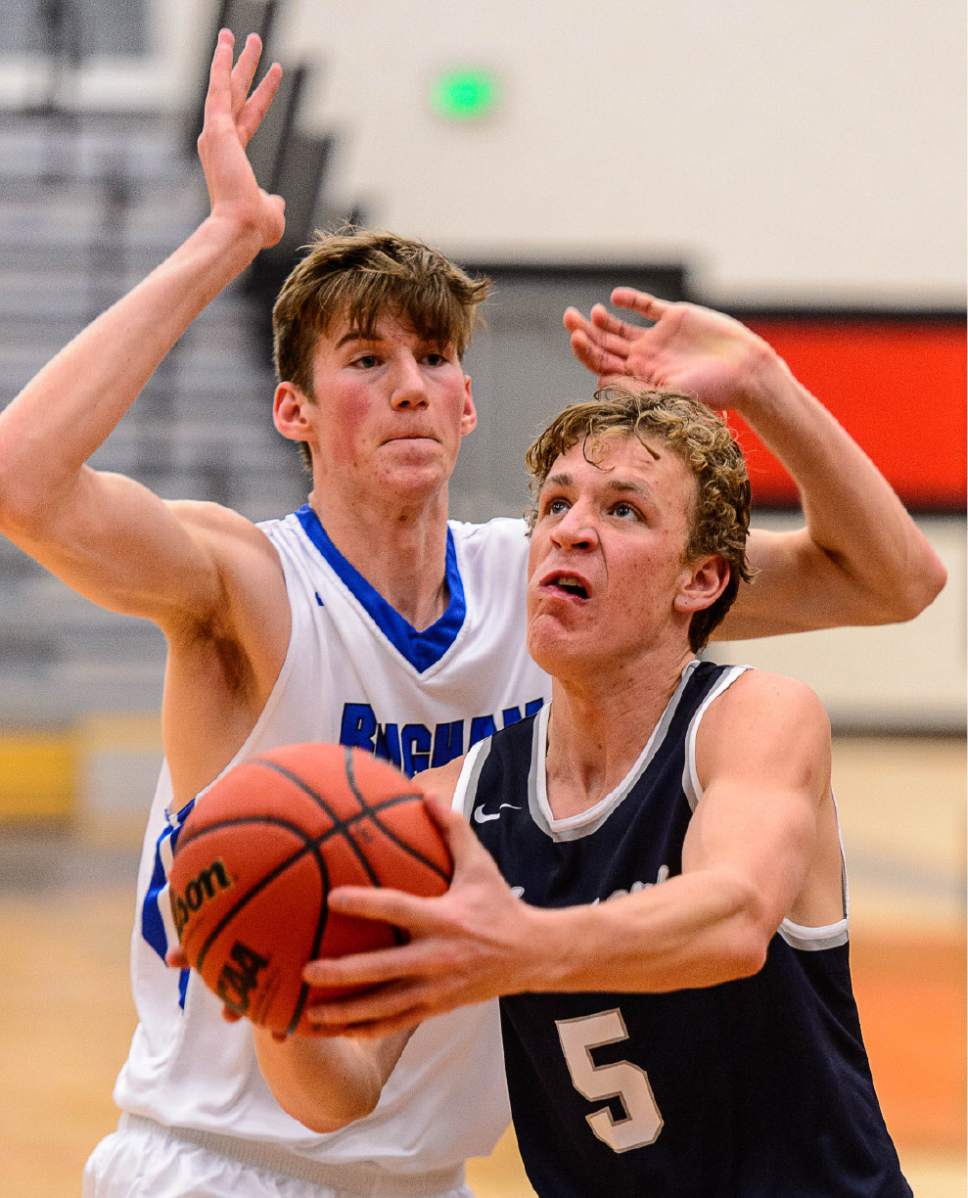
(361, 275)
(719, 523)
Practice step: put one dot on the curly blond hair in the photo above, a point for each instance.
(719, 522)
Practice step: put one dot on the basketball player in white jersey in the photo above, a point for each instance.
(365, 618)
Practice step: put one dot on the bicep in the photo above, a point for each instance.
(763, 758)
(118, 544)
(797, 587)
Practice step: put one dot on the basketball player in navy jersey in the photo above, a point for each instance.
(670, 943)
(366, 617)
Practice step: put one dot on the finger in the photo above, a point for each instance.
(381, 903)
(376, 1029)
(387, 1002)
(176, 959)
(612, 343)
(244, 71)
(372, 968)
(259, 103)
(608, 323)
(573, 319)
(456, 830)
(593, 356)
(219, 95)
(640, 301)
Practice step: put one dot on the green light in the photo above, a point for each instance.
(464, 95)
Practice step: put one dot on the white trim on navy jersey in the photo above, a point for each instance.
(585, 823)
(798, 936)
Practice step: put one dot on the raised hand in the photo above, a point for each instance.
(689, 348)
(232, 117)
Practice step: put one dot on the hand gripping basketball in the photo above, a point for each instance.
(259, 854)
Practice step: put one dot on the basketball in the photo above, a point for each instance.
(258, 854)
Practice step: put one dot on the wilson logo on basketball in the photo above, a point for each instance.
(201, 889)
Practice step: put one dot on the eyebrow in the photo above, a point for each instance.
(377, 339)
(624, 486)
(356, 335)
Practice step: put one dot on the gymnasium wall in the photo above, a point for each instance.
(786, 151)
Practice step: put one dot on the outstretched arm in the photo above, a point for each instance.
(861, 559)
(105, 535)
(762, 845)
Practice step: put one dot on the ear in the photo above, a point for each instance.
(468, 418)
(702, 582)
(289, 412)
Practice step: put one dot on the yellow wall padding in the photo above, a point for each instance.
(38, 776)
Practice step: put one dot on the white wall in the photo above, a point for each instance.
(791, 151)
(895, 677)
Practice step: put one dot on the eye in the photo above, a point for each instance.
(625, 511)
(436, 358)
(554, 506)
(365, 361)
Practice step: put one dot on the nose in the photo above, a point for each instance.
(576, 530)
(409, 388)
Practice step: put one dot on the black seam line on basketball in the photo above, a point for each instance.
(373, 812)
(311, 844)
(303, 995)
(254, 891)
(339, 823)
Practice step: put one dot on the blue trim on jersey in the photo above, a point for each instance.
(422, 649)
(152, 925)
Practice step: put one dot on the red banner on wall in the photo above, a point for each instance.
(897, 384)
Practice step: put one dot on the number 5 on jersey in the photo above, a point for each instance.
(621, 1080)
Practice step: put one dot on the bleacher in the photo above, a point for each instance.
(88, 205)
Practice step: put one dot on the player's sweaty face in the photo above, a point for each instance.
(391, 408)
(607, 552)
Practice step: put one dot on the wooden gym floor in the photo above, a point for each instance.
(66, 1013)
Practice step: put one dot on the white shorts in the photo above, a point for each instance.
(143, 1159)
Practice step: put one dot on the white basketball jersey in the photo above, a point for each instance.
(357, 673)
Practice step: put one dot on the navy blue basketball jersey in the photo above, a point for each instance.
(752, 1088)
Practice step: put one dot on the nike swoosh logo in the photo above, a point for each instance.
(482, 817)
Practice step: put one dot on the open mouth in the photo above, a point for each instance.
(567, 584)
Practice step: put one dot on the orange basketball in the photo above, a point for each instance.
(258, 854)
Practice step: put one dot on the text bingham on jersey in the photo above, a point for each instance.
(414, 747)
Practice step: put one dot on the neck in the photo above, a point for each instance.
(399, 548)
(600, 723)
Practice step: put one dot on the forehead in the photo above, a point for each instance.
(620, 461)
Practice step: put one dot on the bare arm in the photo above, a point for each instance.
(106, 535)
(861, 559)
(751, 850)
(327, 1083)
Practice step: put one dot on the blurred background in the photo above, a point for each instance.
(800, 167)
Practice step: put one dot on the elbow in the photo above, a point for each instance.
(751, 927)
(322, 1122)
(922, 582)
(927, 581)
(340, 1110)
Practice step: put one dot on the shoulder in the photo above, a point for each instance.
(760, 717)
(441, 783)
(762, 692)
(227, 533)
(252, 583)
